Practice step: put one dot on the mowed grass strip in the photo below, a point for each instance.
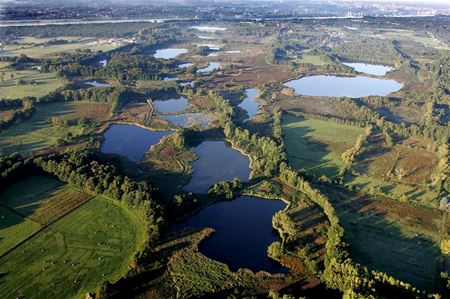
(317, 145)
(38, 133)
(72, 256)
(45, 83)
(14, 229)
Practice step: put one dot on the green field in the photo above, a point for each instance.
(37, 133)
(73, 255)
(312, 59)
(34, 47)
(45, 83)
(317, 145)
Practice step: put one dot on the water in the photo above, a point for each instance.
(213, 54)
(216, 162)
(211, 67)
(209, 28)
(233, 51)
(205, 37)
(243, 232)
(103, 62)
(332, 86)
(185, 65)
(249, 104)
(371, 69)
(183, 84)
(171, 105)
(187, 120)
(169, 53)
(170, 79)
(95, 83)
(130, 141)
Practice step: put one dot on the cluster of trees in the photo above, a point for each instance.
(84, 170)
(442, 178)
(227, 189)
(24, 111)
(13, 168)
(349, 155)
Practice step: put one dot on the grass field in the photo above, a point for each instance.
(45, 83)
(317, 145)
(73, 255)
(312, 59)
(379, 166)
(37, 133)
(34, 47)
(397, 238)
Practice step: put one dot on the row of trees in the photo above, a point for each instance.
(349, 155)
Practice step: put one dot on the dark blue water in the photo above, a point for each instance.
(130, 141)
(371, 69)
(353, 87)
(249, 104)
(216, 162)
(171, 105)
(243, 232)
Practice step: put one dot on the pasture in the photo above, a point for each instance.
(312, 59)
(73, 255)
(317, 145)
(38, 132)
(41, 48)
(35, 84)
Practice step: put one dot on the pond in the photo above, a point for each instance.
(103, 62)
(249, 104)
(216, 162)
(95, 83)
(171, 105)
(233, 51)
(333, 86)
(205, 37)
(210, 46)
(130, 141)
(209, 28)
(185, 65)
(243, 232)
(211, 67)
(371, 69)
(169, 53)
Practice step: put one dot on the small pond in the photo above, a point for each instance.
(130, 141)
(209, 28)
(249, 104)
(103, 62)
(371, 69)
(210, 46)
(95, 83)
(211, 67)
(169, 53)
(243, 232)
(333, 86)
(171, 105)
(216, 162)
(185, 65)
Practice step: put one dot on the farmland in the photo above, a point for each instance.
(94, 242)
(35, 84)
(38, 132)
(317, 145)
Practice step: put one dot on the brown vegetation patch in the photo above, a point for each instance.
(6, 114)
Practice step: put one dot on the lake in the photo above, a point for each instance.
(185, 65)
(333, 86)
(130, 141)
(249, 104)
(216, 162)
(371, 69)
(243, 232)
(187, 120)
(171, 105)
(169, 53)
(211, 67)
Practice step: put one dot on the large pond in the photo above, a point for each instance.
(130, 141)
(187, 120)
(332, 86)
(171, 105)
(371, 69)
(243, 232)
(216, 162)
(211, 67)
(249, 104)
(169, 53)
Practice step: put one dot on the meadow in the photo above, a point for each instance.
(39, 132)
(45, 83)
(73, 255)
(317, 145)
(312, 59)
